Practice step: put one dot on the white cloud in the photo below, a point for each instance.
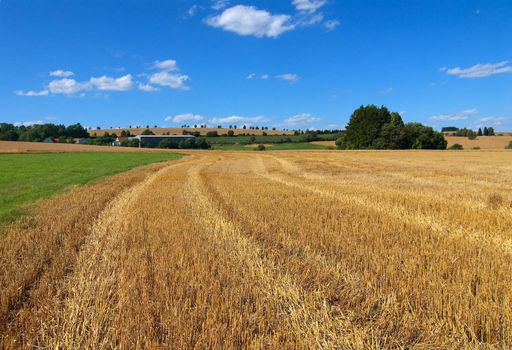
(251, 76)
(463, 115)
(331, 24)
(147, 87)
(32, 93)
(175, 81)
(51, 117)
(481, 70)
(248, 20)
(303, 120)
(239, 120)
(105, 83)
(220, 4)
(29, 123)
(166, 65)
(491, 121)
(184, 118)
(67, 86)
(292, 78)
(264, 77)
(308, 19)
(61, 73)
(308, 5)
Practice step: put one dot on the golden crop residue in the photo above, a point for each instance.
(271, 250)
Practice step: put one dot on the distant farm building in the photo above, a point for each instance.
(154, 140)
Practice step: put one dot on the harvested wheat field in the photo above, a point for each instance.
(270, 250)
(481, 142)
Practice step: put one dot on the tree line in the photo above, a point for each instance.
(372, 127)
(40, 132)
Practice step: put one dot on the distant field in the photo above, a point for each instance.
(41, 147)
(484, 142)
(271, 146)
(179, 131)
(25, 178)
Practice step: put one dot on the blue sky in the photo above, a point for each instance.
(289, 63)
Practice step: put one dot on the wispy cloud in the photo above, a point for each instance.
(192, 10)
(187, 117)
(29, 123)
(308, 5)
(463, 115)
(238, 120)
(386, 91)
(61, 73)
(491, 121)
(331, 24)
(301, 120)
(480, 70)
(32, 93)
(219, 4)
(292, 78)
(248, 20)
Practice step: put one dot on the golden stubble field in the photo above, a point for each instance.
(270, 250)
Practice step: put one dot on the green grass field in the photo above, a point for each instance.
(25, 178)
(273, 147)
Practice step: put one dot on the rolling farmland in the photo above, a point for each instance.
(276, 250)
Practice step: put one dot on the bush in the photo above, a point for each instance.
(147, 132)
(476, 147)
(231, 133)
(509, 146)
(260, 148)
(456, 146)
(472, 137)
(212, 134)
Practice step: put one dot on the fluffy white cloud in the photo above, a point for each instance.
(463, 115)
(292, 78)
(264, 77)
(303, 120)
(166, 65)
(147, 87)
(105, 83)
(331, 24)
(308, 5)
(248, 20)
(239, 120)
(61, 73)
(184, 118)
(175, 81)
(67, 86)
(481, 70)
(29, 123)
(32, 93)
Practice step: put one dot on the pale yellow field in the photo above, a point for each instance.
(484, 142)
(270, 250)
(39, 147)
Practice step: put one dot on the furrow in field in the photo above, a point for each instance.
(404, 264)
(38, 251)
(304, 316)
(488, 226)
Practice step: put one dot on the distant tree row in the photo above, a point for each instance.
(40, 132)
(371, 127)
(465, 132)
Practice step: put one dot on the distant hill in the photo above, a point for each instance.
(179, 131)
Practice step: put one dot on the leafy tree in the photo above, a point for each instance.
(231, 133)
(365, 125)
(419, 136)
(480, 133)
(166, 143)
(490, 131)
(260, 147)
(76, 130)
(202, 144)
(486, 131)
(147, 132)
